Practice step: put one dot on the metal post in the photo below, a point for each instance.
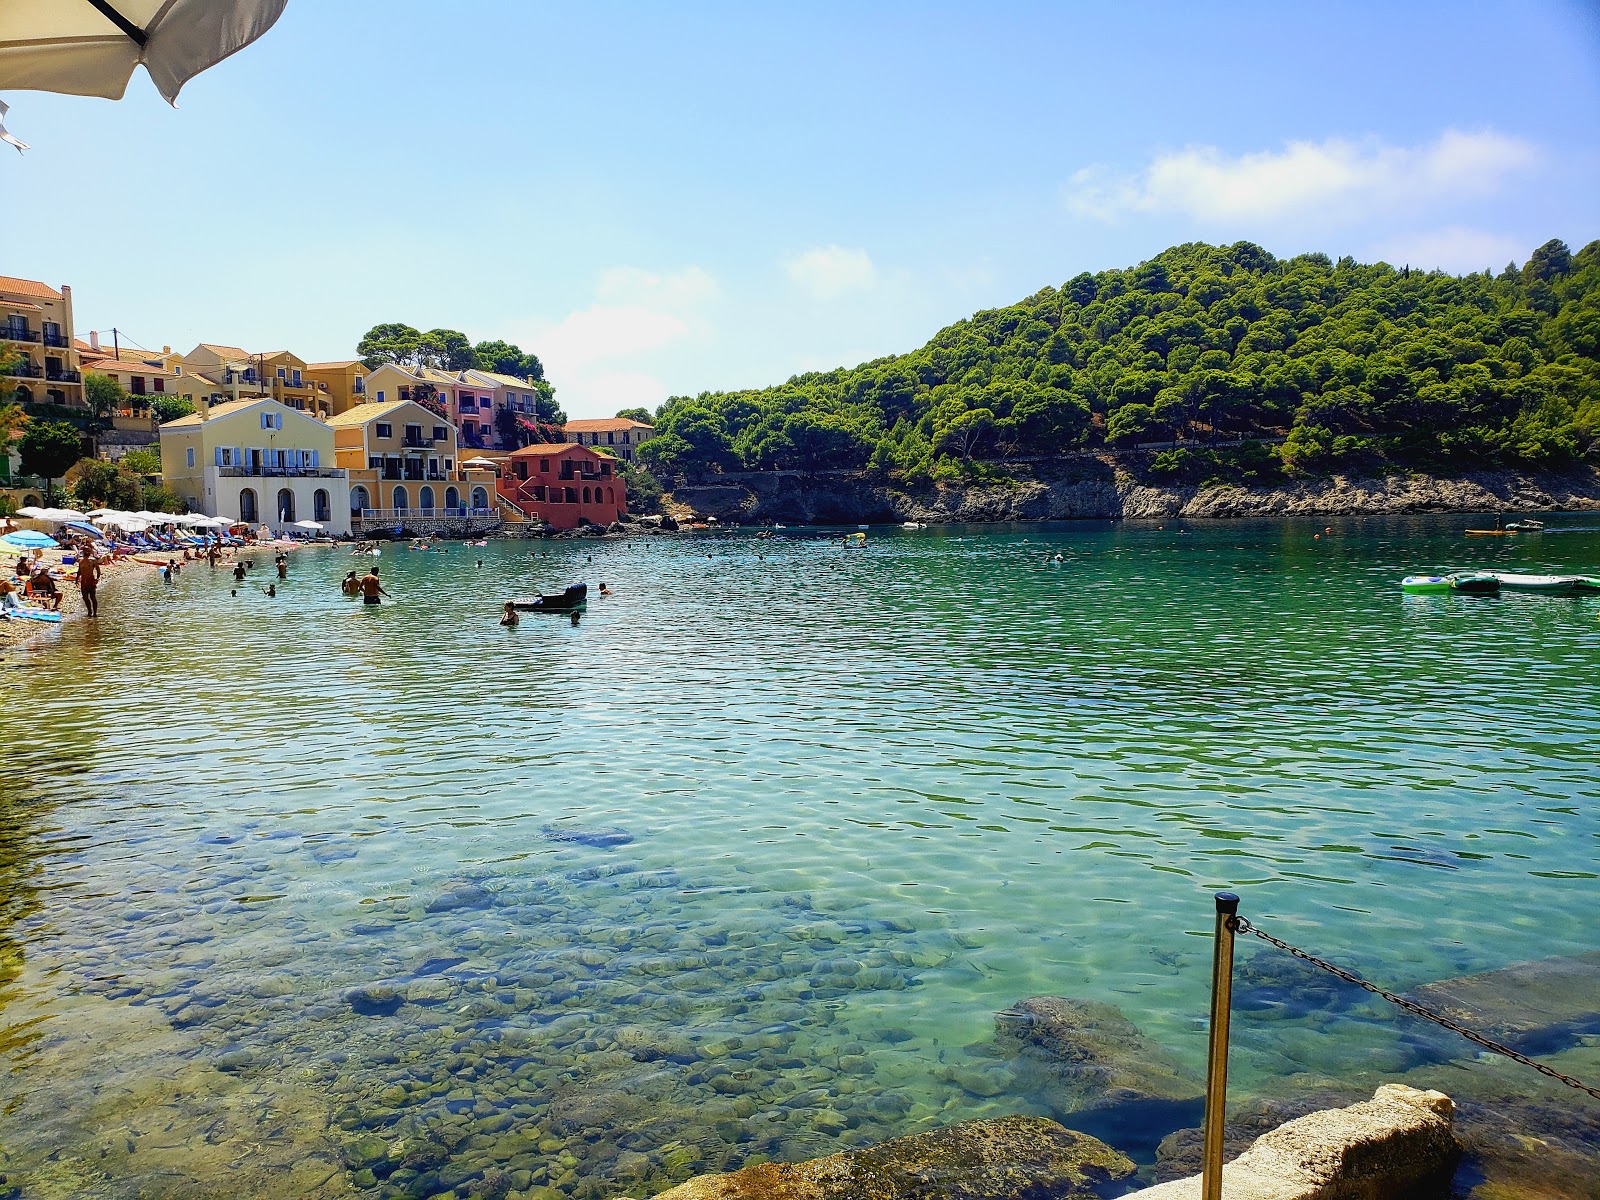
(1217, 1059)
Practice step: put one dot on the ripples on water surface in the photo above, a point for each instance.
(743, 866)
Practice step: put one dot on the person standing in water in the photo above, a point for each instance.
(351, 585)
(88, 581)
(371, 589)
(283, 565)
(511, 618)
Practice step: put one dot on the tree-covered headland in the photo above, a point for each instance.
(1224, 362)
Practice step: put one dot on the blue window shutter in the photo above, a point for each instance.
(219, 456)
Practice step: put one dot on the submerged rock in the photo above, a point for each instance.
(614, 836)
(1534, 1007)
(459, 896)
(1088, 1060)
(1009, 1158)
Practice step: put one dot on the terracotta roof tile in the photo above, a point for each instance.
(28, 287)
(606, 424)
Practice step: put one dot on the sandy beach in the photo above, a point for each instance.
(14, 633)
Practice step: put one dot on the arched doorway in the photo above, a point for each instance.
(285, 506)
(452, 499)
(480, 498)
(401, 503)
(426, 501)
(248, 509)
(359, 499)
(24, 394)
(586, 495)
(322, 508)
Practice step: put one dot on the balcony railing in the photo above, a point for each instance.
(401, 515)
(56, 339)
(253, 472)
(64, 376)
(26, 370)
(19, 333)
(417, 443)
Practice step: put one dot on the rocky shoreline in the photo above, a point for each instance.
(1099, 489)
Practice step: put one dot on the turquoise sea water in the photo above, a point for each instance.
(743, 866)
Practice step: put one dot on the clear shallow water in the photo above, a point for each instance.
(744, 865)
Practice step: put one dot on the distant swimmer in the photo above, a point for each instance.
(510, 619)
(351, 585)
(270, 590)
(604, 590)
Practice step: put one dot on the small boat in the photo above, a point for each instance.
(1492, 532)
(574, 599)
(1471, 583)
(1548, 585)
(1525, 526)
(912, 525)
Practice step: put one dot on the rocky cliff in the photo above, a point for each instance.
(1087, 489)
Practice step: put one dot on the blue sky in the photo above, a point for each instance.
(664, 199)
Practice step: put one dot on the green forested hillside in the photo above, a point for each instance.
(1357, 367)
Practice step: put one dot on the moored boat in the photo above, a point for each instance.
(1549, 585)
(574, 599)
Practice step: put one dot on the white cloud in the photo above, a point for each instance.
(1455, 249)
(591, 354)
(1350, 179)
(828, 272)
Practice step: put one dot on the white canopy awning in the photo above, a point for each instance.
(90, 47)
(84, 48)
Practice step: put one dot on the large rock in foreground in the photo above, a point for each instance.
(1009, 1158)
(1399, 1143)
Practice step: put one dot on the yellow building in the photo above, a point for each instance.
(257, 460)
(36, 330)
(401, 459)
(344, 383)
(622, 436)
(286, 376)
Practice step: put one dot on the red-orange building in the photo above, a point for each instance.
(564, 483)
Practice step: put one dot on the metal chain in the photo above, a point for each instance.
(1241, 925)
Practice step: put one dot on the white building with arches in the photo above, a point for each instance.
(258, 461)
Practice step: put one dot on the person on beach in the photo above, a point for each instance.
(371, 589)
(351, 584)
(44, 587)
(511, 617)
(88, 581)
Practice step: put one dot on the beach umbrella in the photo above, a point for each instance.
(27, 539)
(480, 461)
(90, 47)
(96, 513)
(32, 511)
(308, 524)
(81, 527)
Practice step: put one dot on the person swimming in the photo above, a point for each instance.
(604, 590)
